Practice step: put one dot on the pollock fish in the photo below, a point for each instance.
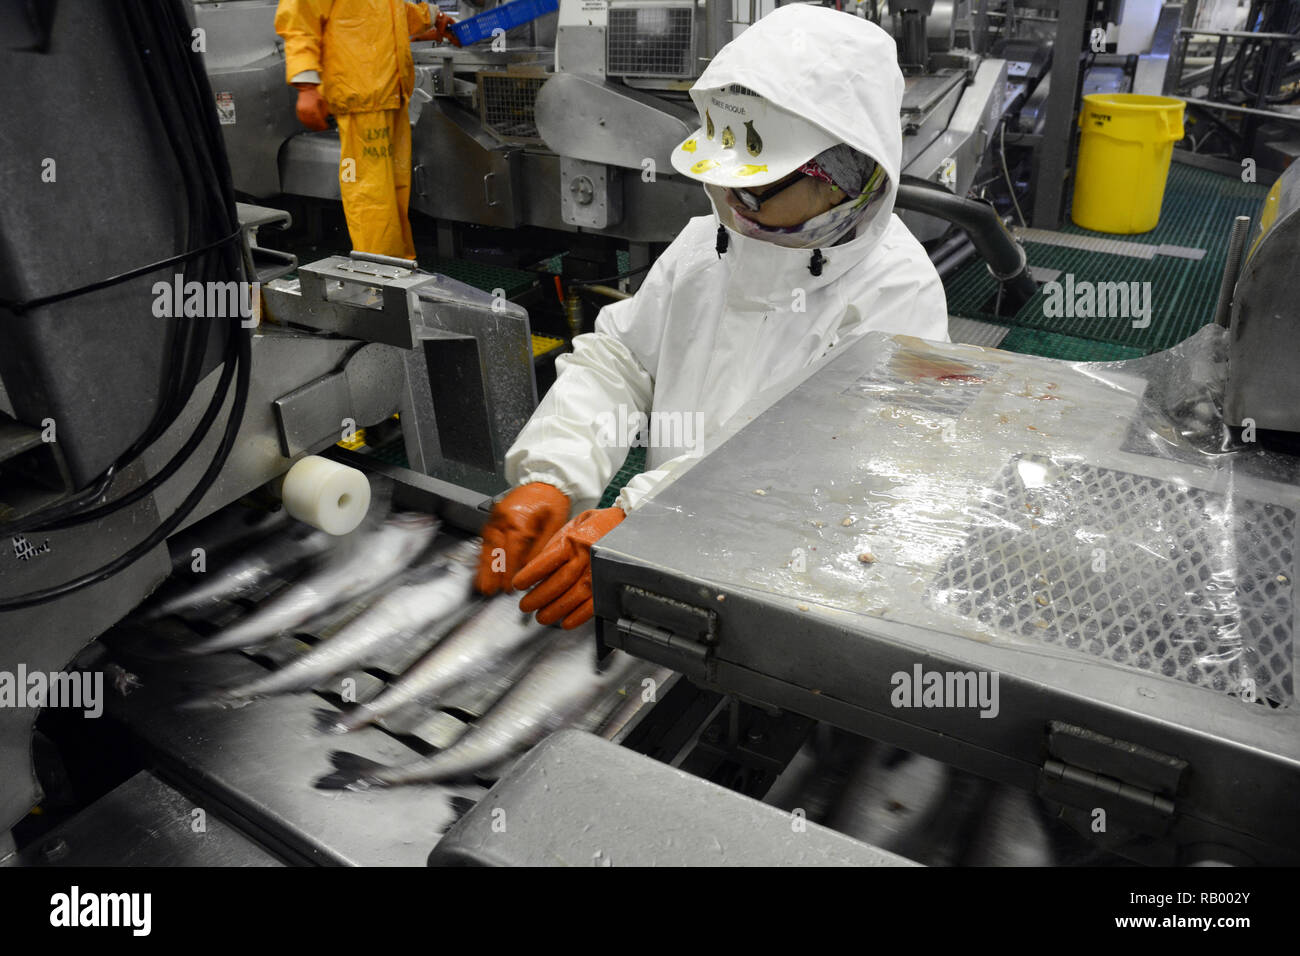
(248, 571)
(558, 687)
(371, 560)
(403, 613)
(492, 634)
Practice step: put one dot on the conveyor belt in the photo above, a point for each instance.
(257, 763)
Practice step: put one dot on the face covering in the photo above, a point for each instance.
(819, 232)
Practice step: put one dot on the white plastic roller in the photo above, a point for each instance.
(326, 494)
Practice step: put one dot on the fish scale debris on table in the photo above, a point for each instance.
(362, 564)
(561, 683)
(495, 632)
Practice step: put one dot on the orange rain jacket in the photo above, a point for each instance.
(360, 48)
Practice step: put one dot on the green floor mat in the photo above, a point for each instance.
(1198, 210)
(633, 465)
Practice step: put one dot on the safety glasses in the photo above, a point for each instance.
(752, 199)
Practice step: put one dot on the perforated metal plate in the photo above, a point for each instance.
(651, 40)
(1144, 573)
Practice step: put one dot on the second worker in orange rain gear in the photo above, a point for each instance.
(352, 58)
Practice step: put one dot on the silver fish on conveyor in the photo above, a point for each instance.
(492, 634)
(248, 571)
(558, 687)
(399, 615)
(367, 563)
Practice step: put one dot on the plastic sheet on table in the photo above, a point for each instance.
(1098, 509)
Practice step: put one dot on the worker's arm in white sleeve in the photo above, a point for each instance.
(575, 438)
(306, 76)
(640, 486)
(573, 441)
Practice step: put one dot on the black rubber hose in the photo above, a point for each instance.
(954, 260)
(159, 534)
(948, 246)
(995, 244)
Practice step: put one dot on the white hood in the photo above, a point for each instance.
(710, 331)
(834, 69)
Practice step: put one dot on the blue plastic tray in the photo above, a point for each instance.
(505, 17)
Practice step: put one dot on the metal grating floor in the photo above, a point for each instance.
(1199, 207)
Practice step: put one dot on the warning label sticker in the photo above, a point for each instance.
(226, 108)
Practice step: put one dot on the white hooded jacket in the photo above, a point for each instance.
(707, 332)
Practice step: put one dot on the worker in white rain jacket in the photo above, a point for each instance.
(799, 149)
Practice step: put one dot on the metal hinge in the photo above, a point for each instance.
(1135, 785)
(641, 631)
(1076, 777)
(683, 636)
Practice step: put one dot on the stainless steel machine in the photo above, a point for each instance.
(942, 517)
(1261, 388)
(346, 345)
(572, 131)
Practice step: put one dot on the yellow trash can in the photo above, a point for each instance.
(1125, 145)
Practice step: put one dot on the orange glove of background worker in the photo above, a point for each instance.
(521, 524)
(312, 108)
(441, 30)
(562, 572)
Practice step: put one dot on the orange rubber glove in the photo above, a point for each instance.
(312, 108)
(441, 30)
(562, 572)
(521, 524)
